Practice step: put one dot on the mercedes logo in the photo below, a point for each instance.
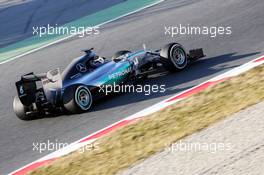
(81, 67)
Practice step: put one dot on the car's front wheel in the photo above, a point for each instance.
(174, 56)
(78, 100)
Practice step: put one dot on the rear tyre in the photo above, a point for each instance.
(78, 100)
(120, 53)
(20, 109)
(174, 57)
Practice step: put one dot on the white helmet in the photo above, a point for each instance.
(97, 61)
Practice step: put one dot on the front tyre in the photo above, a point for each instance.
(174, 56)
(20, 109)
(79, 100)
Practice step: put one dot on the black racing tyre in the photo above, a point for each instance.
(120, 53)
(174, 57)
(20, 109)
(78, 99)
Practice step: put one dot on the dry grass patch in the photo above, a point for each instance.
(135, 142)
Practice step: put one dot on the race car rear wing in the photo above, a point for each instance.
(27, 86)
(32, 77)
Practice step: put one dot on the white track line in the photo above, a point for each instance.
(70, 36)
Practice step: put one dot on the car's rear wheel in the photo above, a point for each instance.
(79, 100)
(174, 57)
(20, 109)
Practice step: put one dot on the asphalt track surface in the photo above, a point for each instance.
(19, 16)
(223, 53)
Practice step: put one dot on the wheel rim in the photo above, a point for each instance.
(83, 98)
(178, 57)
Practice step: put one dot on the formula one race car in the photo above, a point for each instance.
(78, 86)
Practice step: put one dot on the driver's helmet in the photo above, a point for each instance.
(96, 61)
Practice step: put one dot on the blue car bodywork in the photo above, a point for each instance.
(80, 83)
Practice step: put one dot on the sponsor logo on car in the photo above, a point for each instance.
(119, 74)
